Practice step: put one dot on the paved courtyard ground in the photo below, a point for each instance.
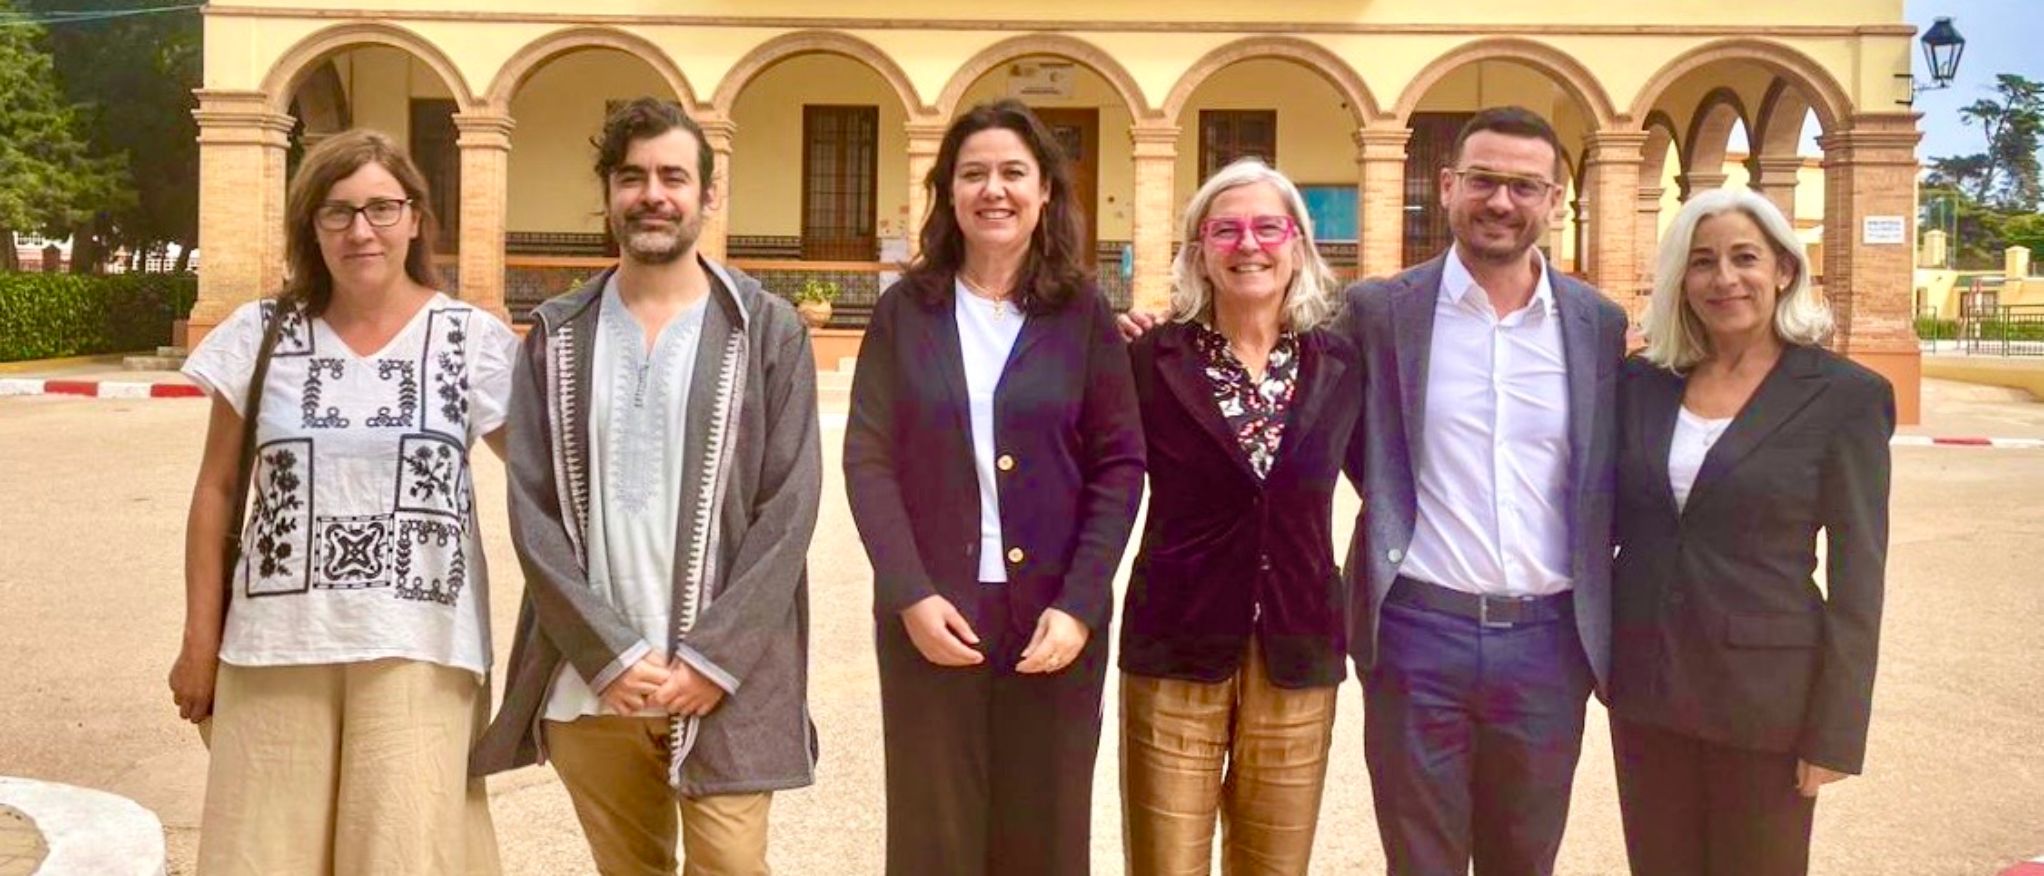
(92, 503)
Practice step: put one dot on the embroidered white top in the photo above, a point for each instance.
(1492, 480)
(360, 542)
(1694, 436)
(638, 422)
(986, 334)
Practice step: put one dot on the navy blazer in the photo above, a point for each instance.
(1720, 631)
(1393, 323)
(1064, 419)
(1225, 554)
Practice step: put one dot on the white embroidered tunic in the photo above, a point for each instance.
(361, 541)
(638, 422)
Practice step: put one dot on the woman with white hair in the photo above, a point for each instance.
(1739, 686)
(1232, 643)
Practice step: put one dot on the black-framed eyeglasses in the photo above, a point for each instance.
(381, 213)
(1482, 184)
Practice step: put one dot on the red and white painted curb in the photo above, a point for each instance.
(99, 388)
(1946, 441)
(2034, 867)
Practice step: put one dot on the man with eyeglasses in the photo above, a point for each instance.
(1480, 573)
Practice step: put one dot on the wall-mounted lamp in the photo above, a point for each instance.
(1942, 46)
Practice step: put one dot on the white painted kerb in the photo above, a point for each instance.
(90, 833)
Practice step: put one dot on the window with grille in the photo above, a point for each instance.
(438, 156)
(840, 163)
(1227, 135)
(1431, 148)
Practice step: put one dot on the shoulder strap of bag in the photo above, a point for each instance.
(250, 410)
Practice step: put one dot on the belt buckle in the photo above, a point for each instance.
(1483, 614)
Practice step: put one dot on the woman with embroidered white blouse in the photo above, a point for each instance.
(343, 671)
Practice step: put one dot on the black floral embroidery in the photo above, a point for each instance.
(277, 558)
(446, 357)
(355, 552)
(431, 566)
(430, 472)
(1255, 409)
(407, 394)
(294, 337)
(309, 400)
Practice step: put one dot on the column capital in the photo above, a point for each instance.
(1381, 144)
(1650, 197)
(483, 131)
(240, 117)
(1154, 141)
(1607, 146)
(927, 128)
(718, 130)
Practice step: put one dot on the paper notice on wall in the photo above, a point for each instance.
(1883, 230)
(1041, 79)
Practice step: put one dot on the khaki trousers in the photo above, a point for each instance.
(345, 769)
(1248, 751)
(615, 769)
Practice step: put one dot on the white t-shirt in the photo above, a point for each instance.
(1694, 436)
(638, 424)
(361, 540)
(986, 334)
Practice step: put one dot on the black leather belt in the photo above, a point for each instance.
(1490, 611)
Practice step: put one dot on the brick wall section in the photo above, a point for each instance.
(1611, 168)
(1380, 200)
(1646, 243)
(241, 203)
(1870, 170)
(485, 143)
(717, 225)
(1156, 158)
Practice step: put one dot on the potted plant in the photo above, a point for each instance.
(814, 299)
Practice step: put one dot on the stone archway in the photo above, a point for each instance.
(1708, 139)
(1058, 45)
(786, 46)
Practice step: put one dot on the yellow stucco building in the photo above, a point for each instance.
(825, 117)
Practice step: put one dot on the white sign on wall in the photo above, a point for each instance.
(1883, 229)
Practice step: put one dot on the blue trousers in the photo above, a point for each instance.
(1472, 735)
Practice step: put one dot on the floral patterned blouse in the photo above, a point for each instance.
(1255, 409)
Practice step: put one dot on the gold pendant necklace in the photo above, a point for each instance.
(1002, 307)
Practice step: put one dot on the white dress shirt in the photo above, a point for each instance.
(986, 334)
(1694, 436)
(1492, 479)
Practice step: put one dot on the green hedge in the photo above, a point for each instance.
(44, 316)
(1932, 329)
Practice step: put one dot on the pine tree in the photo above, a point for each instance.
(50, 184)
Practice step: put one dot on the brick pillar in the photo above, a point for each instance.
(1774, 177)
(719, 131)
(1611, 170)
(1156, 157)
(1693, 181)
(924, 137)
(1380, 201)
(1646, 239)
(1870, 170)
(485, 143)
(241, 203)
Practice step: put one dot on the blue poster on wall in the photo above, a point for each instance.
(1333, 209)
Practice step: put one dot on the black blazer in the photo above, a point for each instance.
(1225, 555)
(1064, 413)
(1720, 631)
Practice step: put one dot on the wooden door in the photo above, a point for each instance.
(1078, 133)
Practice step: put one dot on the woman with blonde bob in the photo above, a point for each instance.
(343, 667)
(1740, 688)
(1231, 651)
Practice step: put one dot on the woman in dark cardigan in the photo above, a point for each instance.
(1232, 641)
(994, 462)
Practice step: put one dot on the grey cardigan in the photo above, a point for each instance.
(751, 482)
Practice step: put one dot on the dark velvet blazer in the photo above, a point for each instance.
(1064, 415)
(1719, 630)
(1224, 555)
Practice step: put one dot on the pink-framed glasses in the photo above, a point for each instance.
(1268, 232)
